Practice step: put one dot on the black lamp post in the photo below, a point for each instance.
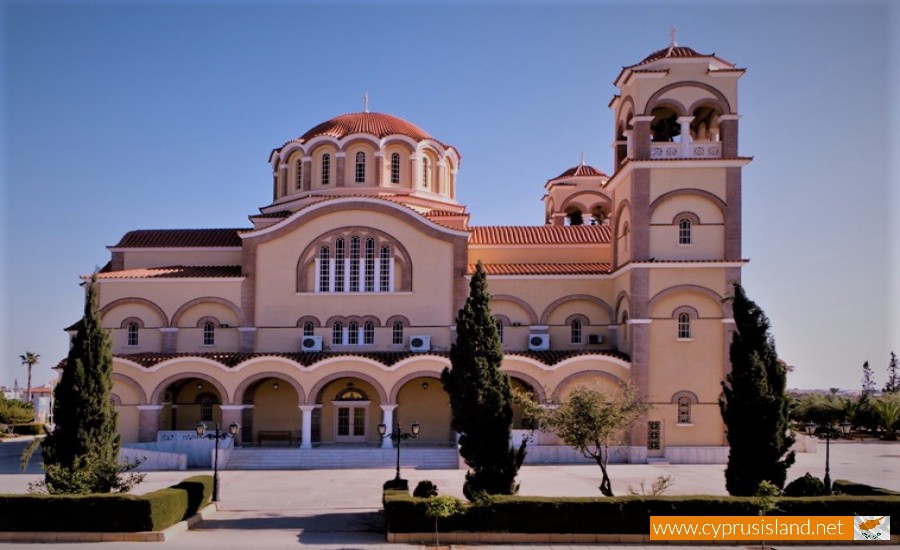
(398, 436)
(218, 435)
(829, 433)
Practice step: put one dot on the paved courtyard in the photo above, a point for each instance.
(331, 509)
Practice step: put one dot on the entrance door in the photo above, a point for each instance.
(350, 421)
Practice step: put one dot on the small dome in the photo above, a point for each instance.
(376, 124)
(581, 170)
(675, 52)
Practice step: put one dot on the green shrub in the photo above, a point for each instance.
(34, 428)
(806, 486)
(396, 485)
(105, 513)
(860, 489)
(425, 489)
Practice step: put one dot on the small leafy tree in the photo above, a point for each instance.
(887, 409)
(13, 411)
(868, 379)
(30, 359)
(591, 420)
(481, 398)
(439, 507)
(81, 454)
(754, 404)
(893, 375)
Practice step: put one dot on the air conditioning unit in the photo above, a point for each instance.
(595, 338)
(420, 343)
(538, 342)
(311, 343)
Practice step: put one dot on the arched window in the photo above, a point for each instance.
(397, 333)
(684, 231)
(384, 270)
(625, 233)
(209, 333)
(575, 327)
(326, 169)
(351, 393)
(309, 329)
(370, 265)
(625, 327)
(353, 333)
(337, 333)
(499, 324)
(426, 171)
(299, 172)
(132, 334)
(354, 264)
(369, 333)
(324, 272)
(339, 265)
(684, 410)
(395, 168)
(360, 176)
(684, 325)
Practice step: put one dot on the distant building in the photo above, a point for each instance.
(334, 310)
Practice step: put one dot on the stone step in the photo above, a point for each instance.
(329, 458)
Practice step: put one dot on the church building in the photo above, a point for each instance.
(333, 310)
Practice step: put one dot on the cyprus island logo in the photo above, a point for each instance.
(872, 528)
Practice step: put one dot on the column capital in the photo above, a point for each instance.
(309, 408)
(168, 329)
(149, 407)
(246, 329)
(233, 407)
(389, 407)
(685, 119)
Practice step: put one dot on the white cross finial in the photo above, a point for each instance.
(672, 31)
(366, 101)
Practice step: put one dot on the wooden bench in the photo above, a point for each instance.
(275, 435)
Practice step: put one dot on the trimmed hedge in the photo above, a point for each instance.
(105, 513)
(35, 428)
(860, 489)
(614, 515)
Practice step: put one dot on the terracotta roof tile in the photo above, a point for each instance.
(674, 52)
(376, 124)
(581, 170)
(442, 214)
(175, 272)
(540, 234)
(544, 269)
(181, 238)
(387, 358)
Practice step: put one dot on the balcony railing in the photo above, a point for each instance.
(694, 150)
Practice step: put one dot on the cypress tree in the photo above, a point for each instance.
(481, 398)
(81, 455)
(754, 404)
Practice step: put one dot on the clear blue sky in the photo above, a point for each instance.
(119, 116)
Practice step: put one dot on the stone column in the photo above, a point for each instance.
(728, 130)
(148, 424)
(307, 173)
(232, 413)
(629, 143)
(685, 122)
(387, 417)
(306, 425)
(286, 186)
(641, 137)
(339, 159)
(248, 339)
(379, 169)
(169, 339)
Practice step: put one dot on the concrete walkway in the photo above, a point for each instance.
(331, 509)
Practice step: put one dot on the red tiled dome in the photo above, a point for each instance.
(580, 170)
(376, 124)
(677, 52)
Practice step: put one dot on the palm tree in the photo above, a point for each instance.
(29, 359)
(888, 409)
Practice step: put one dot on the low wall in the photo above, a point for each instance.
(151, 460)
(697, 455)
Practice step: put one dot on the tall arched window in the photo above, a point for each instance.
(309, 329)
(397, 333)
(337, 333)
(324, 271)
(369, 333)
(339, 265)
(209, 333)
(426, 171)
(384, 270)
(625, 327)
(354, 264)
(206, 407)
(395, 168)
(684, 231)
(370, 265)
(299, 172)
(132, 334)
(684, 325)
(499, 324)
(326, 169)
(353, 333)
(360, 176)
(684, 410)
(575, 329)
(625, 234)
